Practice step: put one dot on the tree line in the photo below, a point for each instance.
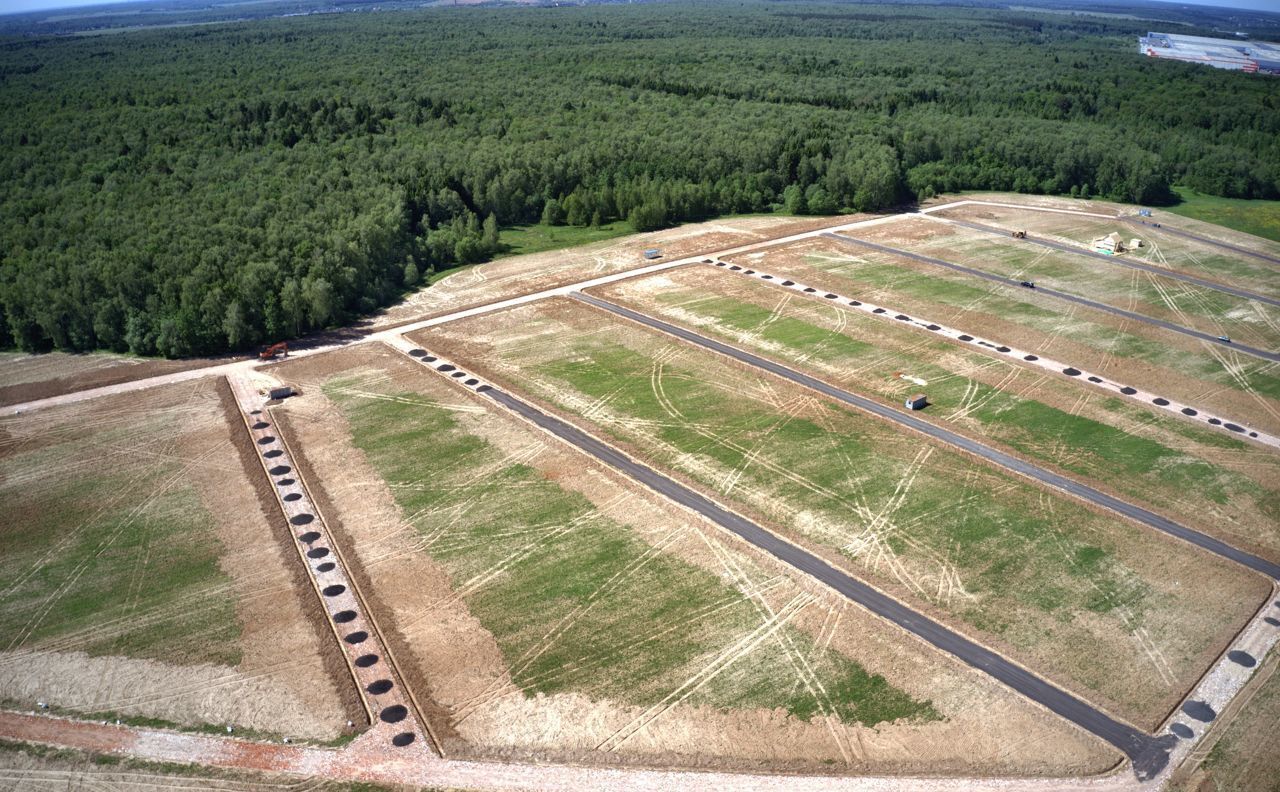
(196, 190)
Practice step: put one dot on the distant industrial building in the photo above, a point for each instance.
(1254, 57)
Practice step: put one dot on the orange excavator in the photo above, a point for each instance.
(270, 353)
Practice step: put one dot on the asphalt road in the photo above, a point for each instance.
(911, 421)
(1111, 309)
(1148, 754)
(1205, 240)
(1123, 262)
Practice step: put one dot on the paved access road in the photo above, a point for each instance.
(911, 421)
(1111, 309)
(1120, 261)
(1148, 754)
(1206, 240)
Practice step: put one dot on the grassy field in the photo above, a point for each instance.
(1260, 218)
(575, 601)
(871, 274)
(106, 547)
(536, 237)
(1204, 309)
(1055, 582)
(862, 352)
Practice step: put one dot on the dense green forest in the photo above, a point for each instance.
(191, 190)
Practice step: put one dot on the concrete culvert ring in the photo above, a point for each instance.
(334, 590)
(342, 617)
(266, 440)
(1127, 391)
(1215, 422)
(357, 637)
(279, 470)
(1200, 711)
(261, 425)
(472, 381)
(444, 367)
(366, 660)
(302, 519)
(318, 552)
(965, 337)
(292, 496)
(1031, 358)
(1242, 658)
(417, 352)
(273, 453)
(327, 566)
(285, 482)
(1182, 730)
(1071, 372)
(378, 687)
(308, 537)
(402, 739)
(393, 714)
(1161, 402)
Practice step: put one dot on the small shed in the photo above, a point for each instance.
(283, 392)
(653, 253)
(1135, 243)
(917, 401)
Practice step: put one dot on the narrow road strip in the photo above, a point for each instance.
(1111, 309)
(910, 421)
(1117, 260)
(1206, 240)
(1146, 399)
(1147, 753)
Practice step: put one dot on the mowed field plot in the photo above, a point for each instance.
(1099, 605)
(1160, 245)
(547, 604)
(1216, 483)
(1209, 375)
(140, 576)
(1107, 281)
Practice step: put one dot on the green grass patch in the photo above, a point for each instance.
(841, 470)
(1260, 218)
(521, 240)
(118, 558)
(628, 624)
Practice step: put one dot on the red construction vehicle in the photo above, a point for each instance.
(281, 349)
